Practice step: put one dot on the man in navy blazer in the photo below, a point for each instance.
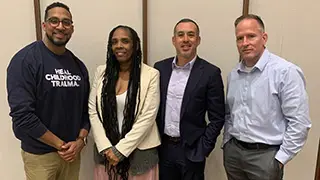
(190, 87)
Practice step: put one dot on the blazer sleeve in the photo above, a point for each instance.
(144, 120)
(216, 112)
(98, 132)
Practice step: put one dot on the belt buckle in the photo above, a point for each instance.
(174, 139)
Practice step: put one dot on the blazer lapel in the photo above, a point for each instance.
(194, 78)
(98, 96)
(144, 82)
(165, 78)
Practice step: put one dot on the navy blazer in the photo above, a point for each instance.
(203, 93)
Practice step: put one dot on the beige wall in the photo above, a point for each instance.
(292, 29)
(292, 32)
(17, 29)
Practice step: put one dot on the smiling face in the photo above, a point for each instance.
(122, 45)
(186, 40)
(57, 26)
(251, 40)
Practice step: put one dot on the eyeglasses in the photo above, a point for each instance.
(54, 22)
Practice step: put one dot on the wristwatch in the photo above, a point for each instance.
(84, 139)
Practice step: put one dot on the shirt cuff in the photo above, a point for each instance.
(117, 153)
(38, 131)
(102, 152)
(226, 138)
(282, 157)
(86, 125)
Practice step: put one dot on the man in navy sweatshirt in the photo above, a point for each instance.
(48, 91)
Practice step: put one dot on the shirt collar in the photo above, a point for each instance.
(261, 64)
(189, 65)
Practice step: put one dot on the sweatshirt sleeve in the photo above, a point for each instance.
(85, 116)
(21, 89)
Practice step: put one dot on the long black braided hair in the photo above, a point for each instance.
(109, 103)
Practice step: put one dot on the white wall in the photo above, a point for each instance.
(293, 28)
(293, 34)
(17, 30)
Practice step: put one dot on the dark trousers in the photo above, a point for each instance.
(250, 164)
(173, 164)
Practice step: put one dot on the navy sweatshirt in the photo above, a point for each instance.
(47, 92)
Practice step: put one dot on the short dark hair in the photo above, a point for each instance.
(184, 20)
(250, 16)
(53, 5)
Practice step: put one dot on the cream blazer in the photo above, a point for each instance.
(144, 133)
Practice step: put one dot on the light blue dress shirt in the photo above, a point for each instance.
(176, 87)
(268, 104)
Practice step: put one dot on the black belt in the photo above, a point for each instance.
(255, 145)
(171, 139)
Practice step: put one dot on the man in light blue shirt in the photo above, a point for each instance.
(267, 113)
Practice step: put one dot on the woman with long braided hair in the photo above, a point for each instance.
(123, 106)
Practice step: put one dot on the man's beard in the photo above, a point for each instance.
(57, 43)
